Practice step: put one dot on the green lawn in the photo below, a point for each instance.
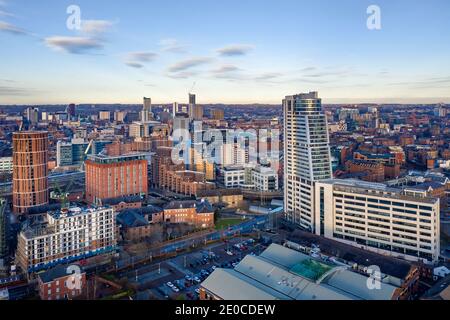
(227, 222)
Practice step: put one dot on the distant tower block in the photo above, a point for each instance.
(30, 171)
(146, 113)
(195, 111)
(175, 109)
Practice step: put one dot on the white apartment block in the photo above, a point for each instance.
(306, 156)
(379, 218)
(232, 154)
(6, 165)
(65, 236)
(264, 179)
(233, 176)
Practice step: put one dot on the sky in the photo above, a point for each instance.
(227, 51)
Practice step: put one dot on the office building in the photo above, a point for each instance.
(146, 113)
(199, 163)
(30, 171)
(307, 156)
(74, 153)
(32, 115)
(280, 273)
(264, 179)
(116, 176)
(373, 216)
(217, 114)
(104, 115)
(66, 236)
(64, 154)
(232, 176)
(119, 116)
(141, 129)
(174, 109)
(195, 111)
(6, 165)
(71, 112)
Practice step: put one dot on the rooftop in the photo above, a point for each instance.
(57, 272)
(363, 187)
(105, 159)
(350, 254)
(202, 206)
(282, 273)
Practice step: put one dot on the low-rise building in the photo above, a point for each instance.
(123, 203)
(62, 283)
(280, 273)
(197, 213)
(139, 224)
(231, 198)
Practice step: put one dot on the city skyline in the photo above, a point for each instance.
(237, 53)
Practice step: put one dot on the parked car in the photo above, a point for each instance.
(170, 284)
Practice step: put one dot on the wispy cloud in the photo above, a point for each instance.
(235, 50)
(228, 72)
(139, 59)
(96, 27)
(189, 63)
(183, 75)
(15, 91)
(90, 38)
(12, 29)
(225, 69)
(434, 82)
(172, 45)
(6, 14)
(74, 45)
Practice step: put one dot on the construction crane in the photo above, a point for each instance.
(193, 87)
(89, 147)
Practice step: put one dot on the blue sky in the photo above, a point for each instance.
(235, 51)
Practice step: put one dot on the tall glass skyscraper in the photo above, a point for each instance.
(306, 156)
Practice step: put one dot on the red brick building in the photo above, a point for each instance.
(196, 213)
(110, 177)
(60, 283)
(374, 171)
(175, 177)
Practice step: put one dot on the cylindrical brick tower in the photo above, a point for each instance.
(30, 172)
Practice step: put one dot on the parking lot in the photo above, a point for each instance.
(180, 277)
